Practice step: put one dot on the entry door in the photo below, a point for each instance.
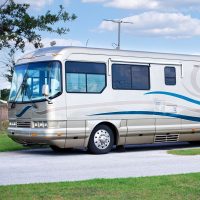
(166, 87)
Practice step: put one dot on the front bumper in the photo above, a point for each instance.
(38, 136)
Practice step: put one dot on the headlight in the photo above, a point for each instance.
(45, 125)
(49, 124)
(40, 124)
(35, 124)
(12, 123)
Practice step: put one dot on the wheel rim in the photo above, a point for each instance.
(101, 139)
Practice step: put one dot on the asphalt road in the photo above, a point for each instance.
(43, 165)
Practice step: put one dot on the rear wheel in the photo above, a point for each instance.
(101, 140)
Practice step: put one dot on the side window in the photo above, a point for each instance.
(85, 77)
(76, 82)
(170, 76)
(140, 78)
(130, 77)
(121, 76)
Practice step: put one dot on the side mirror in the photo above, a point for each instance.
(45, 90)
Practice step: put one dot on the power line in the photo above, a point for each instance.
(119, 22)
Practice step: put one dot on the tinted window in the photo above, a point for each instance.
(121, 76)
(85, 77)
(130, 77)
(85, 67)
(140, 78)
(95, 82)
(170, 76)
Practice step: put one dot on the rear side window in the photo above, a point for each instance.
(85, 77)
(170, 76)
(130, 77)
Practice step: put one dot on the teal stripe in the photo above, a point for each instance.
(179, 96)
(23, 111)
(173, 115)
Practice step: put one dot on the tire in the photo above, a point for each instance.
(101, 140)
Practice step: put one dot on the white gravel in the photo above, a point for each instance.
(43, 165)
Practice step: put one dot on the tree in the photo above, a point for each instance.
(5, 94)
(17, 26)
(8, 63)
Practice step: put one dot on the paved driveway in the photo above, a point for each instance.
(43, 165)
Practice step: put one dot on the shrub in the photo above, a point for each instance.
(4, 125)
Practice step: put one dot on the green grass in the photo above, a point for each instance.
(6, 144)
(178, 187)
(185, 152)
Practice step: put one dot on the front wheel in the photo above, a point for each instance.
(101, 140)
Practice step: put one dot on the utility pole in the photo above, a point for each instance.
(119, 22)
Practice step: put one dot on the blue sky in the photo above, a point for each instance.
(159, 26)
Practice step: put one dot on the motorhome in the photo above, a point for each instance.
(69, 97)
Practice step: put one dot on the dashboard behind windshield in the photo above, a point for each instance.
(28, 80)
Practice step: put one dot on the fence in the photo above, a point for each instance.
(3, 112)
(3, 116)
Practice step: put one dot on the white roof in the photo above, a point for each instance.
(51, 52)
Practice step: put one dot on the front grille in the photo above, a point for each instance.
(22, 124)
(166, 138)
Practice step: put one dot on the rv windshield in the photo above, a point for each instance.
(28, 80)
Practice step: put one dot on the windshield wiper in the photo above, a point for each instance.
(55, 95)
(21, 88)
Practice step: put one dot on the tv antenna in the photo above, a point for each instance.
(86, 44)
(119, 22)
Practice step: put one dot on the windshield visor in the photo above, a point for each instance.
(28, 80)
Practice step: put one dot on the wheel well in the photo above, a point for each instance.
(113, 128)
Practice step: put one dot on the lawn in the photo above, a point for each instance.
(185, 152)
(179, 187)
(6, 144)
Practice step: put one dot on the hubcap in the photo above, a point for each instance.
(101, 139)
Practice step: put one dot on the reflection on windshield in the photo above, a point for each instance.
(28, 80)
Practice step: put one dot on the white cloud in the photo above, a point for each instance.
(61, 42)
(4, 83)
(181, 4)
(133, 4)
(36, 4)
(149, 4)
(175, 25)
(39, 4)
(46, 43)
(93, 1)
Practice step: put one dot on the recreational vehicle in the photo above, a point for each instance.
(69, 97)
